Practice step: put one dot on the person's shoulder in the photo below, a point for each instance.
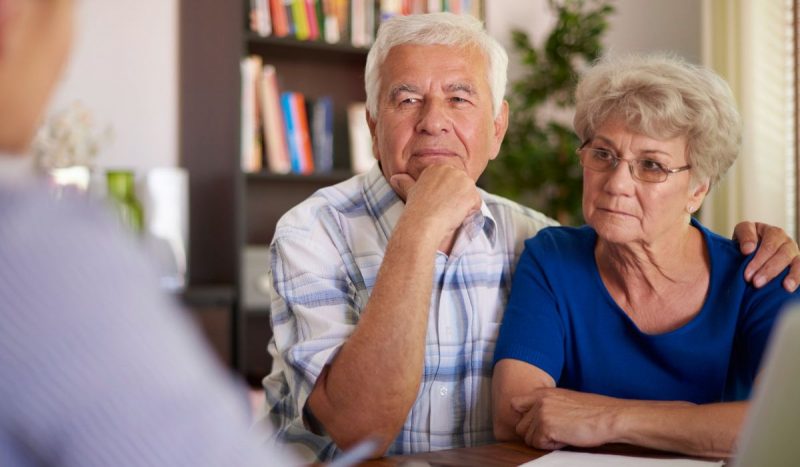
(34, 214)
(720, 247)
(562, 238)
(344, 198)
(67, 246)
(513, 213)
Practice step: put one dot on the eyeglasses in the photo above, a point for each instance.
(646, 170)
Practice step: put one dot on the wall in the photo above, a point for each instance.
(636, 25)
(124, 65)
(124, 69)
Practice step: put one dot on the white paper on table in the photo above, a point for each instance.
(588, 459)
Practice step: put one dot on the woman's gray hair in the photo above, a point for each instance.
(663, 96)
(436, 29)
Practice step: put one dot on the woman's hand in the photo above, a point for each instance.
(553, 418)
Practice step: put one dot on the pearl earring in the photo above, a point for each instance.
(690, 209)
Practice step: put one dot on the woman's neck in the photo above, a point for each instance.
(660, 285)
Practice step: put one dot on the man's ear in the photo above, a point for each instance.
(500, 126)
(372, 124)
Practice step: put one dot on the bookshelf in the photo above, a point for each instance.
(316, 69)
(231, 210)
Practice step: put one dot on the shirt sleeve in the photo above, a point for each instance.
(315, 303)
(532, 329)
(97, 366)
(761, 308)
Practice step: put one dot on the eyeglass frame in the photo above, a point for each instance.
(665, 170)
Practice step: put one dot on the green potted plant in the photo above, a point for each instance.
(538, 166)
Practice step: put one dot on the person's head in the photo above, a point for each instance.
(35, 37)
(435, 86)
(458, 31)
(662, 109)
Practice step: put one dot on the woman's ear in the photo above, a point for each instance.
(697, 195)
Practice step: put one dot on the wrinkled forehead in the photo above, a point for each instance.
(452, 64)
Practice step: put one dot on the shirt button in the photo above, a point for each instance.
(443, 391)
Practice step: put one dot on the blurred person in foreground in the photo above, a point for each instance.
(97, 366)
(638, 327)
(389, 287)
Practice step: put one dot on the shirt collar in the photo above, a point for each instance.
(386, 208)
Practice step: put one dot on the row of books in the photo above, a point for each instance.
(335, 21)
(288, 132)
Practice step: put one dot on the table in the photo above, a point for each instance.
(501, 455)
(490, 455)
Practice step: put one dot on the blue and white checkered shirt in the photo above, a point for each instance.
(325, 256)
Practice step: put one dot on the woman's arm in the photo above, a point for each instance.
(555, 417)
(512, 379)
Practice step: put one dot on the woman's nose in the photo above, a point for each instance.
(620, 178)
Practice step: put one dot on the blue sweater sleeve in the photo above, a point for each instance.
(532, 330)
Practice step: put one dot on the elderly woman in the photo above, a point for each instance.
(639, 327)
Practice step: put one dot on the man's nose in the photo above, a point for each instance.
(433, 118)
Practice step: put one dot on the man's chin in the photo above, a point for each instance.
(419, 165)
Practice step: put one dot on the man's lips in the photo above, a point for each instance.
(434, 153)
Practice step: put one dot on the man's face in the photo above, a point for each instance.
(435, 107)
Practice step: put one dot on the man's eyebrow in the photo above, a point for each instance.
(400, 88)
(461, 87)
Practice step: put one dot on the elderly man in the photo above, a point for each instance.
(389, 287)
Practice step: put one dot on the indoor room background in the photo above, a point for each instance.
(163, 75)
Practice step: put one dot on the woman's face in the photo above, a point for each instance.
(35, 37)
(624, 209)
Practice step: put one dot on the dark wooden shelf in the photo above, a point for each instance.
(341, 48)
(332, 177)
(209, 295)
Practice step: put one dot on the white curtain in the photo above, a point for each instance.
(750, 43)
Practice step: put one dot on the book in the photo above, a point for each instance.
(297, 136)
(390, 9)
(311, 18)
(358, 23)
(250, 142)
(322, 133)
(275, 146)
(300, 20)
(342, 9)
(287, 8)
(280, 23)
(361, 158)
(260, 18)
(362, 22)
(434, 6)
(303, 134)
(331, 28)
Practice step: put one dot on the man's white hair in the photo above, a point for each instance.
(436, 29)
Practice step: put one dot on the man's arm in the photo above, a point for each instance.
(776, 251)
(373, 381)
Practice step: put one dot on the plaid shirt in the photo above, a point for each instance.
(325, 257)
